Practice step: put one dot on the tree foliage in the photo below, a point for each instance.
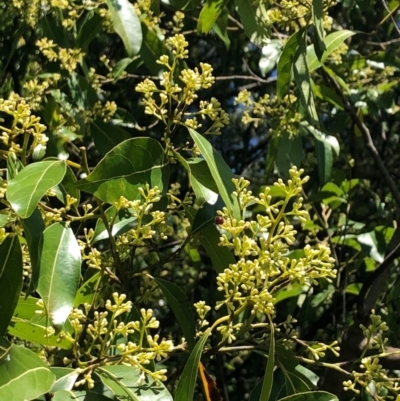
(199, 199)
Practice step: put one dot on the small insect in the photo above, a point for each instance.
(219, 220)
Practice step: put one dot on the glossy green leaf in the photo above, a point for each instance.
(285, 64)
(209, 15)
(252, 16)
(33, 229)
(65, 378)
(187, 381)
(127, 25)
(29, 326)
(31, 184)
(220, 257)
(121, 221)
(10, 279)
(14, 166)
(65, 395)
(220, 171)
(130, 165)
(121, 66)
(220, 28)
(200, 178)
(332, 42)
(290, 153)
(106, 136)
(60, 267)
(4, 218)
(181, 307)
(269, 371)
(319, 34)
(311, 396)
(122, 381)
(325, 161)
(303, 83)
(23, 375)
(67, 187)
(321, 137)
(269, 56)
(88, 30)
(153, 47)
(206, 216)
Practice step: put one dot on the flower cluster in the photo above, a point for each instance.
(68, 58)
(281, 114)
(23, 124)
(170, 103)
(112, 341)
(262, 249)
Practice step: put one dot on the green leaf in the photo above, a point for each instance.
(31, 184)
(88, 30)
(220, 171)
(121, 66)
(23, 375)
(90, 288)
(33, 229)
(64, 395)
(67, 187)
(14, 166)
(187, 381)
(10, 279)
(285, 64)
(332, 42)
(122, 381)
(206, 216)
(220, 28)
(130, 165)
(59, 266)
(106, 136)
(321, 137)
(65, 378)
(325, 161)
(302, 79)
(209, 15)
(290, 153)
(200, 178)
(153, 47)
(269, 371)
(126, 24)
(269, 56)
(122, 222)
(181, 307)
(311, 396)
(29, 326)
(253, 16)
(319, 34)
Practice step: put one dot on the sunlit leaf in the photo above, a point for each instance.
(123, 382)
(285, 64)
(220, 171)
(60, 266)
(332, 42)
(253, 17)
(126, 24)
(319, 34)
(23, 375)
(187, 381)
(31, 184)
(209, 14)
(311, 396)
(130, 165)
